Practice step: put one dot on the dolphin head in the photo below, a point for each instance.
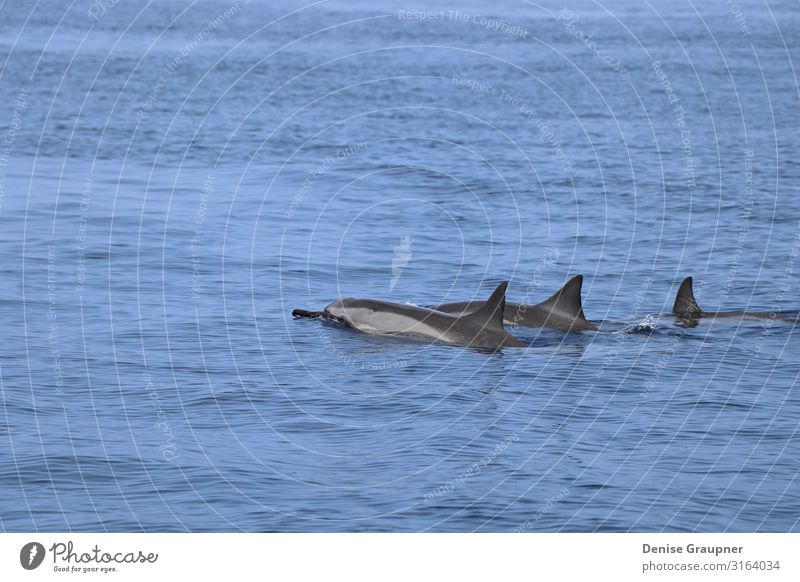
(374, 316)
(359, 313)
(345, 309)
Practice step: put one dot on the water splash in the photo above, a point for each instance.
(646, 325)
(402, 256)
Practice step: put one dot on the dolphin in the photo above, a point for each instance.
(481, 328)
(561, 311)
(687, 309)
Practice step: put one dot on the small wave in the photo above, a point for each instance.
(647, 325)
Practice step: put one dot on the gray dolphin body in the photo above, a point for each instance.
(482, 328)
(562, 311)
(687, 309)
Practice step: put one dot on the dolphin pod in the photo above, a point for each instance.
(562, 311)
(480, 324)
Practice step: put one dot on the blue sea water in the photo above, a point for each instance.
(176, 177)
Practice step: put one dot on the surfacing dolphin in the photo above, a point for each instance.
(562, 311)
(687, 309)
(482, 328)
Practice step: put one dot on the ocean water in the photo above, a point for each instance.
(176, 177)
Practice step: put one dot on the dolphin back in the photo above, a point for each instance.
(458, 307)
(563, 310)
(567, 303)
(490, 314)
(488, 321)
(685, 303)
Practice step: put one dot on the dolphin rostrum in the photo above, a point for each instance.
(687, 309)
(561, 311)
(481, 328)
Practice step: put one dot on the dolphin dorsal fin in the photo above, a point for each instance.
(490, 314)
(567, 299)
(685, 303)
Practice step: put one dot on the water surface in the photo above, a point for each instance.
(177, 177)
